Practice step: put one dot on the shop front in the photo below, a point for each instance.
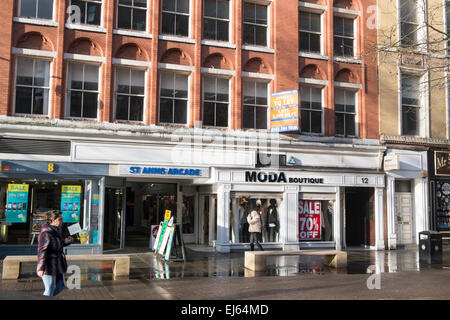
(300, 209)
(29, 189)
(440, 191)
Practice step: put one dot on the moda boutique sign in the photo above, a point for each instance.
(278, 177)
(442, 163)
(170, 172)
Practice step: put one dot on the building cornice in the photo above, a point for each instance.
(417, 141)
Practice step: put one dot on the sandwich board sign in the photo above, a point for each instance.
(165, 237)
(163, 230)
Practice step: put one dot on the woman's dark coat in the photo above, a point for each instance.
(51, 258)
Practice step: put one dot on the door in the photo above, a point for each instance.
(403, 215)
(189, 215)
(114, 219)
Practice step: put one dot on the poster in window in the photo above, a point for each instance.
(284, 111)
(309, 219)
(70, 203)
(17, 203)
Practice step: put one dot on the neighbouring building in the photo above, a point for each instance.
(114, 111)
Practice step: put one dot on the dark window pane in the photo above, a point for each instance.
(90, 103)
(126, 2)
(305, 121)
(91, 86)
(139, 17)
(316, 122)
(136, 108)
(94, 13)
(210, 8)
(249, 12)
(124, 19)
(210, 96)
(348, 27)
(221, 115)
(168, 5)
(75, 103)
(304, 21)
(410, 120)
(39, 100)
(339, 123)
(23, 100)
(348, 47)
(180, 111)
(350, 108)
(249, 34)
(209, 29)
(338, 26)
(315, 22)
(166, 92)
(182, 25)
(261, 14)
(122, 107)
(208, 114)
(304, 42)
(140, 3)
(314, 43)
(45, 9)
(248, 116)
(183, 6)
(261, 118)
(28, 8)
(223, 9)
(166, 110)
(338, 46)
(222, 30)
(350, 125)
(82, 6)
(261, 36)
(168, 23)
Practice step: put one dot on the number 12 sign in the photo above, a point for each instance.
(309, 213)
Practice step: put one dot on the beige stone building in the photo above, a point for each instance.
(414, 116)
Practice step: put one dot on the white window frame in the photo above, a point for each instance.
(176, 69)
(90, 27)
(350, 87)
(352, 16)
(321, 43)
(34, 55)
(254, 78)
(230, 11)
(68, 89)
(36, 18)
(256, 47)
(322, 110)
(422, 33)
(228, 102)
(166, 36)
(144, 96)
(131, 32)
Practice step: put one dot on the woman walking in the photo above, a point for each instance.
(52, 263)
(254, 221)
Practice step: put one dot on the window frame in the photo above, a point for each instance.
(420, 107)
(401, 23)
(189, 15)
(132, 7)
(86, 13)
(321, 15)
(267, 6)
(144, 95)
(322, 94)
(216, 20)
(255, 81)
(204, 76)
(354, 38)
(187, 99)
(17, 57)
(355, 113)
(68, 90)
(36, 17)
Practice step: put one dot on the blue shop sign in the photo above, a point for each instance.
(179, 172)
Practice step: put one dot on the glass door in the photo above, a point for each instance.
(113, 221)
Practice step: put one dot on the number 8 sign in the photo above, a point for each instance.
(309, 214)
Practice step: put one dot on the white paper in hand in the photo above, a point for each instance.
(74, 229)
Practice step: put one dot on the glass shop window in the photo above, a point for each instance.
(24, 206)
(268, 208)
(315, 220)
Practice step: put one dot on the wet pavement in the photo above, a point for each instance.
(210, 275)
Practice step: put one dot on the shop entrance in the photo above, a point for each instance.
(113, 220)
(404, 212)
(359, 217)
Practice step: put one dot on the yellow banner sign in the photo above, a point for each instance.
(71, 189)
(18, 187)
(167, 216)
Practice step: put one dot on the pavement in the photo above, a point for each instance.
(206, 275)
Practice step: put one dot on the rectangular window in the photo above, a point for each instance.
(309, 32)
(311, 109)
(255, 24)
(132, 15)
(36, 9)
(83, 90)
(408, 23)
(411, 105)
(345, 111)
(447, 10)
(215, 101)
(216, 20)
(173, 101)
(130, 93)
(32, 86)
(175, 17)
(254, 113)
(344, 37)
(90, 11)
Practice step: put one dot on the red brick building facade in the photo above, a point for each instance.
(281, 61)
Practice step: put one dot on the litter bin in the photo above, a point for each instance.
(430, 247)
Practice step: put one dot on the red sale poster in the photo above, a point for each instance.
(309, 219)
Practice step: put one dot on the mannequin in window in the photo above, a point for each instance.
(244, 236)
(272, 221)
